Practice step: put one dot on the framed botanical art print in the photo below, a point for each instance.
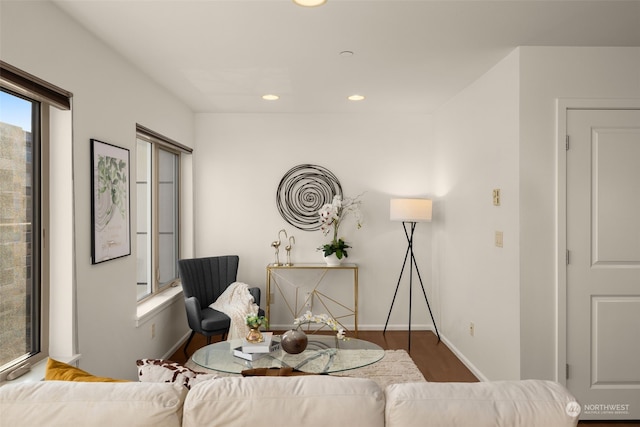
(110, 202)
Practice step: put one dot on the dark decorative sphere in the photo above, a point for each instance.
(294, 341)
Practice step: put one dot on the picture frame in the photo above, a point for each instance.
(110, 202)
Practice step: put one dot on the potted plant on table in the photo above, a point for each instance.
(331, 217)
(254, 322)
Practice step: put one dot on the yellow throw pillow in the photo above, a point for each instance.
(59, 371)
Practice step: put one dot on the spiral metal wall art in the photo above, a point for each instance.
(302, 192)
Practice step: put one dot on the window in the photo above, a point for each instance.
(158, 202)
(19, 229)
(24, 216)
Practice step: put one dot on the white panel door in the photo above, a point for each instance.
(603, 270)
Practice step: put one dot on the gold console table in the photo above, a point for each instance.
(317, 292)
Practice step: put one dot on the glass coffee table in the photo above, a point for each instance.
(321, 356)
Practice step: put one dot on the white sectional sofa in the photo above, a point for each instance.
(322, 401)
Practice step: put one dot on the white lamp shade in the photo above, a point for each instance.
(410, 210)
(309, 3)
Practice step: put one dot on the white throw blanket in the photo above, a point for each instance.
(236, 302)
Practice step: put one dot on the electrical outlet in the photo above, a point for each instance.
(499, 239)
(153, 330)
(496, 197)
(272, 297)
(472, 329)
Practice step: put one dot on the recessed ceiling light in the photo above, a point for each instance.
(355, 97)
(309, 3)
(270, 97)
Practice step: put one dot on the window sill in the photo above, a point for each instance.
(38, 370)
(154, 305)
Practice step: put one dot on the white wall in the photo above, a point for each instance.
(501, 133)
(476, 151)
(110, 97)
(62, 324)
(548, 73)
(240, 160)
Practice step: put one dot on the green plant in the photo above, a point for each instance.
(339, 247)
(254, 321)
(331, 217)
(112, 184)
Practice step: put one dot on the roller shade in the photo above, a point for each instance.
(152, 136)
(27, 84)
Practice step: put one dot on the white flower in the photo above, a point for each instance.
(322, 319)
(332, 214)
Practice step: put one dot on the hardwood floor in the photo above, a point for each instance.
(436, 362)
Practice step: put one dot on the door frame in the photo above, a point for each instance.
(562, 107)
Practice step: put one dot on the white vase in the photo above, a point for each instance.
(332, 260)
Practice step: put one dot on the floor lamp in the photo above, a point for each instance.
(410, 212)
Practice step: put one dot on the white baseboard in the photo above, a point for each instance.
(176, 346)
(474, 370)
(351, 327)
(396, 327)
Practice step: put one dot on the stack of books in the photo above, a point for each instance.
(254, 351)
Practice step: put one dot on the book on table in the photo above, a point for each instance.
(274, 345)
(268, 345)
(237, 352)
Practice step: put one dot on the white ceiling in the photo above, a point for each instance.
(409, 56)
